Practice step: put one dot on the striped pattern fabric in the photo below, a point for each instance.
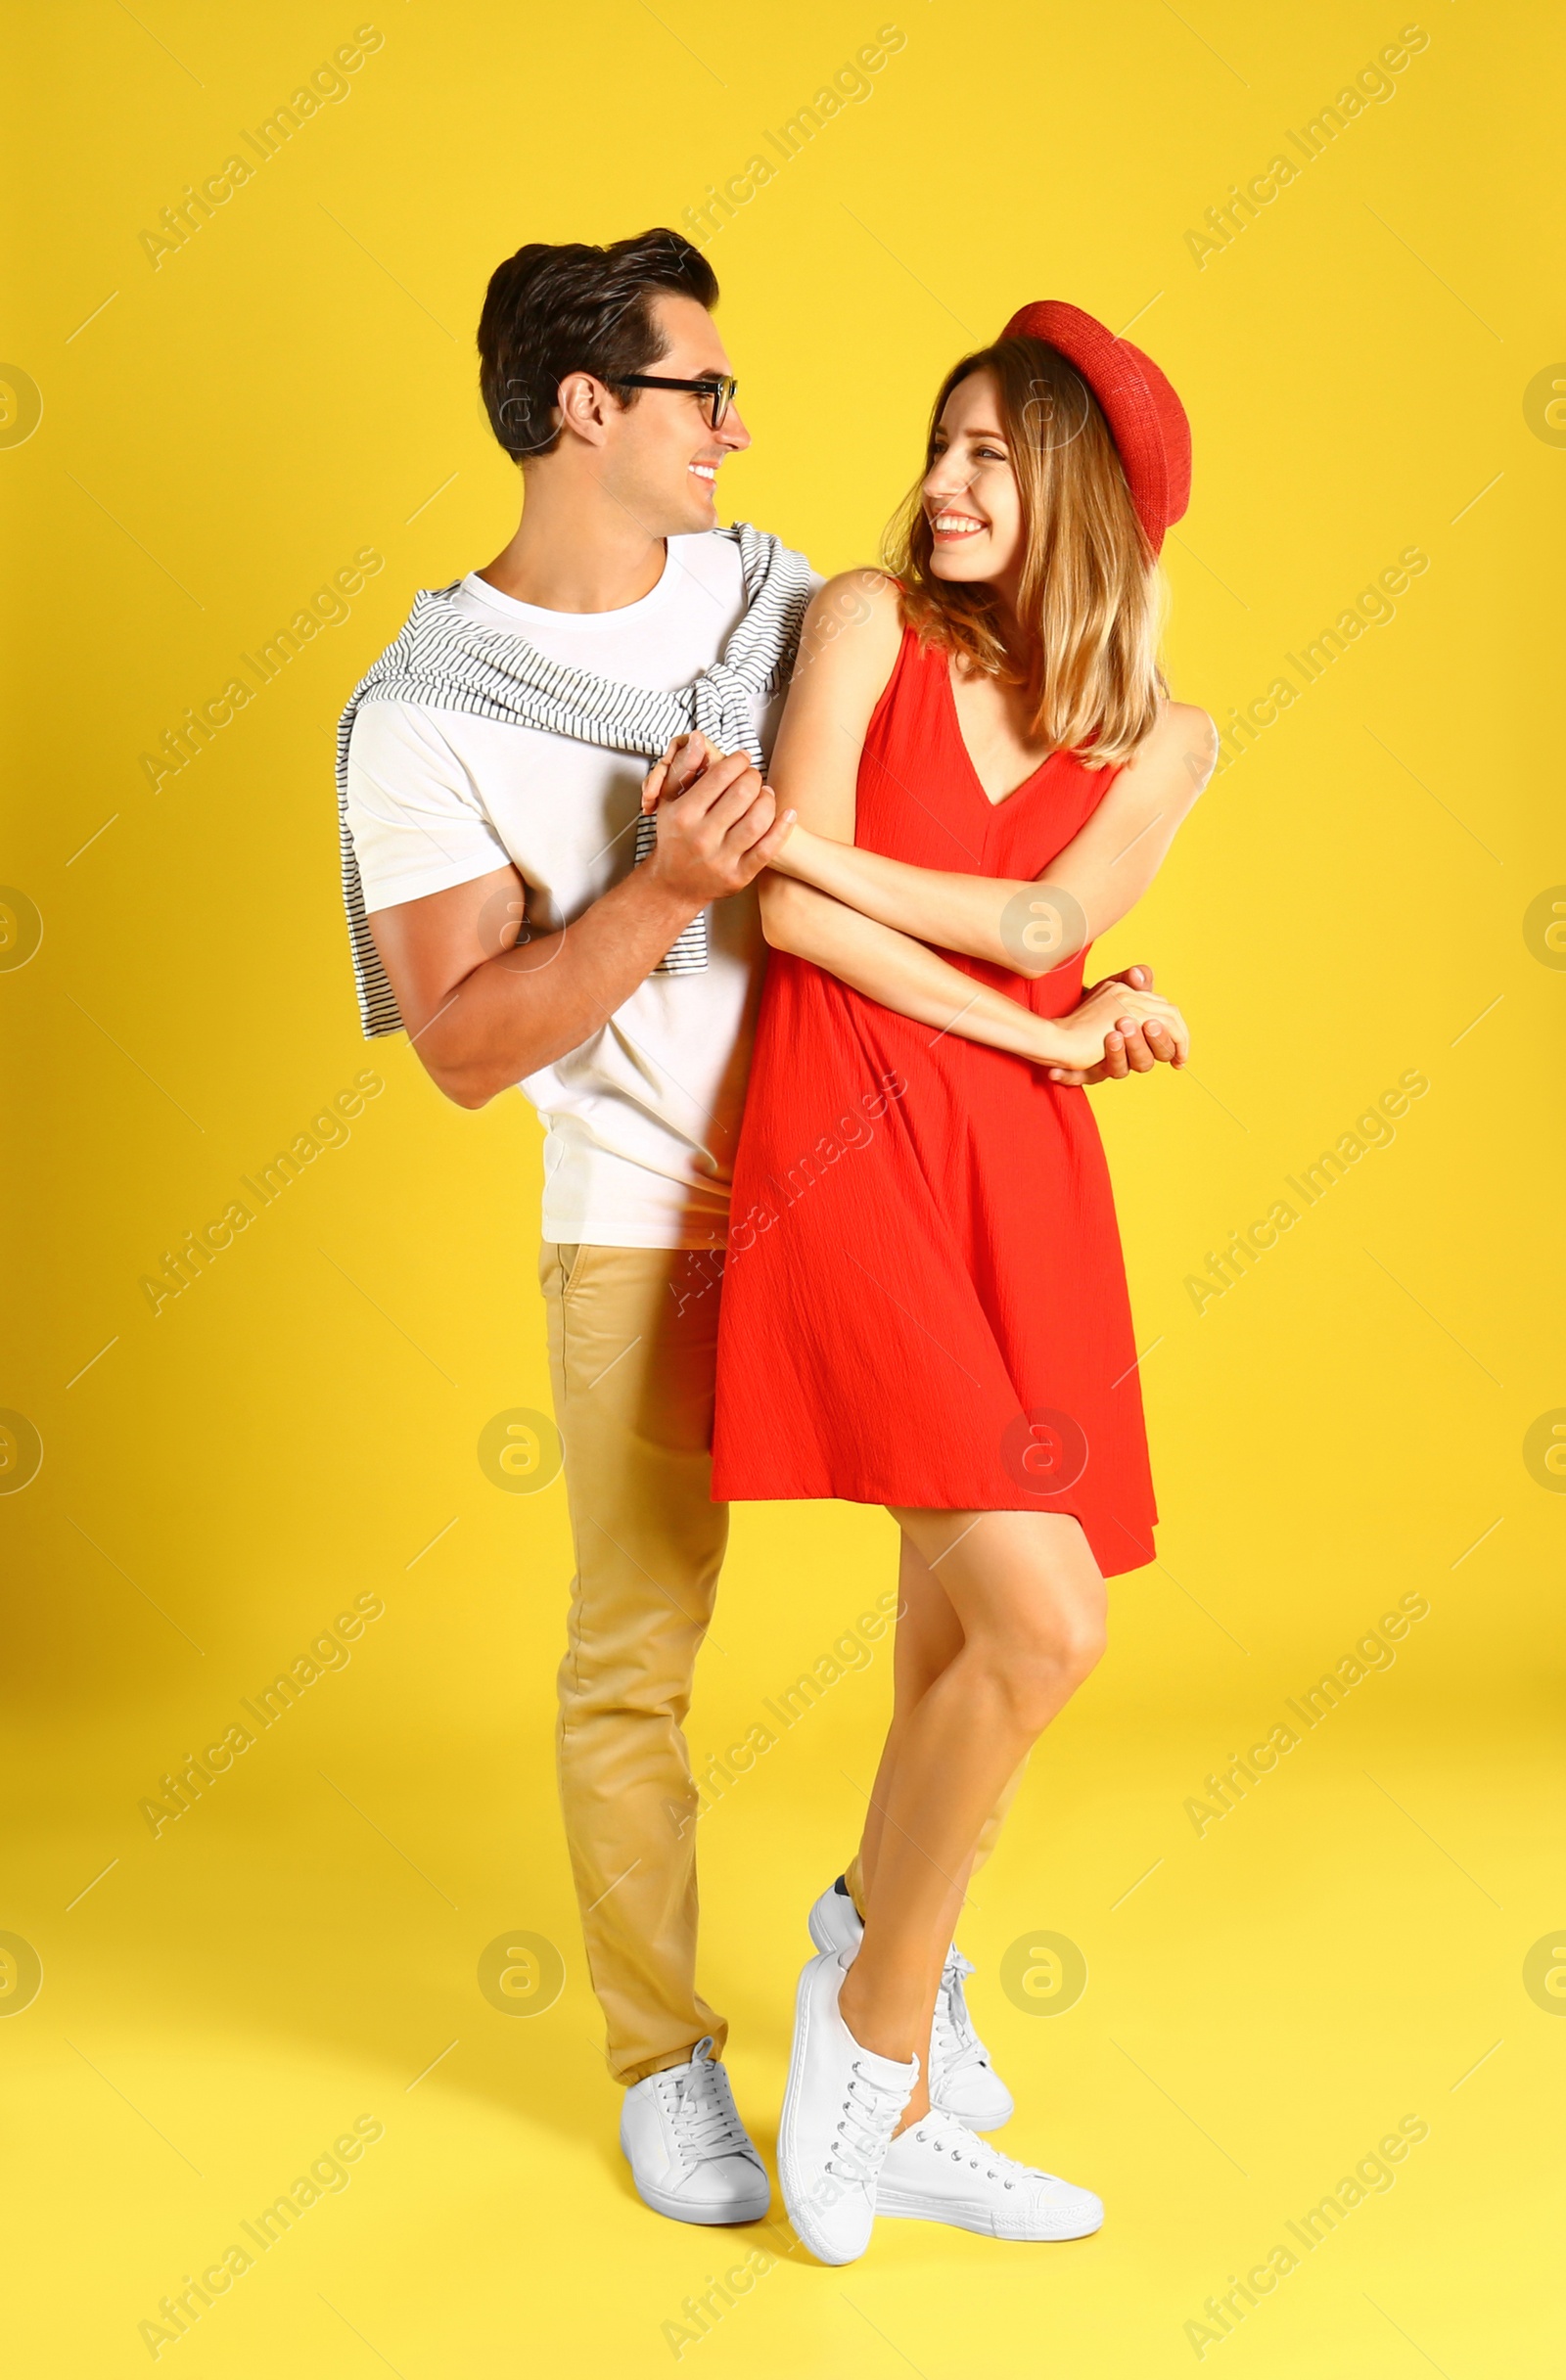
(445, 661)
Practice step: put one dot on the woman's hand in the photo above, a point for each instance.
(1077, 1046)
(1135, 1047)
(682, 761)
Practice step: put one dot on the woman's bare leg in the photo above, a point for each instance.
(929, 1635)
(1029, 1599)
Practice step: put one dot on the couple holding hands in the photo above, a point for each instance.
(972, 769)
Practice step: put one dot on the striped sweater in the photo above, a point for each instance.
(444, 661)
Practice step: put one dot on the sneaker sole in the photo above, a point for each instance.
(909, 2209)
(681, 2211)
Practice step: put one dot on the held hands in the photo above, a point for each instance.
(717, 823)
(1120, 1027)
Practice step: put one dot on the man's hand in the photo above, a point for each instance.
(1135, 1047)
(717, 823)
(487, 1007)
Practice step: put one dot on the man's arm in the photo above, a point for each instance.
(483, 1008)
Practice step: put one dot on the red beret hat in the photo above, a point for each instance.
(1145, 416)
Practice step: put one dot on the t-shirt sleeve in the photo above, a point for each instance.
(415, 815)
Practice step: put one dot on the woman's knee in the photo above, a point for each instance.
(1081, 1644)
(1037, 1667)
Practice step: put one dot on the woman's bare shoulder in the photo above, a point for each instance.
(857, 617)
(852, 593)
(1190, 723)
(1183, 741)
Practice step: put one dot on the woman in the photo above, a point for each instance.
(924, 1303)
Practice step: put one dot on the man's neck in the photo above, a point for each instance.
(576, 549)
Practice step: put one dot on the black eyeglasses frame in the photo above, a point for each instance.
(718, 390)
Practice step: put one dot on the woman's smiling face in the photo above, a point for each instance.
(970, 492)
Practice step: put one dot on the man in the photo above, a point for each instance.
(513, 910)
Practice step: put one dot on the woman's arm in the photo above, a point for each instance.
(903, 974)
(848, 650)
(1027, 926)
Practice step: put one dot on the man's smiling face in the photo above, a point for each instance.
(661, 456)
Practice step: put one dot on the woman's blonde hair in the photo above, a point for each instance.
(1089, 595)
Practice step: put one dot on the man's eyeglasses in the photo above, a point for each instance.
(718, 393)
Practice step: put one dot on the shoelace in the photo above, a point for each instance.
(955, 2043)
(700, 2109)
(864, 2126)
(958, 2144)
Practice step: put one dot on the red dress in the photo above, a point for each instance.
(924, 1299)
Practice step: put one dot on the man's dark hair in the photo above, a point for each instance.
(574, 308)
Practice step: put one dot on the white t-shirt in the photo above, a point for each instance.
(641, 1121)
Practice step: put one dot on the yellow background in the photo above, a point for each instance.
(1347, 1945)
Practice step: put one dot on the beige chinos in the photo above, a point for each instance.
(632, 1348)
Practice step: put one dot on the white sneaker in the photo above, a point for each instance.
(938, 2172)
(839, 2109)
(962, 2081)
(690, 2155)
(834, 1923)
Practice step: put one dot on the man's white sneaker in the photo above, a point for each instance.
(690, 2155)
(938, 2172)
(839, 2109)
(962, 2081)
